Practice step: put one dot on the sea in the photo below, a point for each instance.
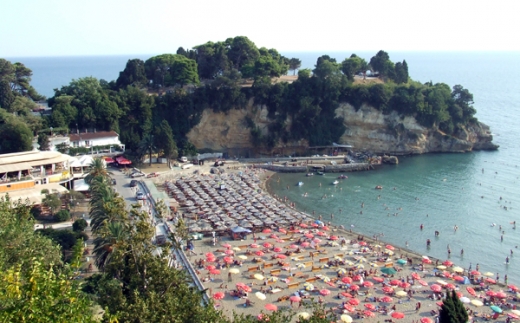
(471, 199)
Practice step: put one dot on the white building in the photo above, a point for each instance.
(54, 141)
(93, 139)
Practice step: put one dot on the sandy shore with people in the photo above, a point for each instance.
(340, 269)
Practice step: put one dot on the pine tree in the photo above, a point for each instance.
(452, 310)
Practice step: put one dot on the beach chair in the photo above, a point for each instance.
(311, 280)
(309, 264)
(293, 285)
(268, 265)
(275, 272)
(252, 269)
(324, 259)
(315, 269)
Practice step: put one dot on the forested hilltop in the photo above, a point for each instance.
(157, 102)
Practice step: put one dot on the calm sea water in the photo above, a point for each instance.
(438, 190)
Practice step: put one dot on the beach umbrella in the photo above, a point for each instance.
(373, 264)
(341, 271)
(228, 260)
(459, 294)
(405, 285)
(309, 287)
(267, 245)
(226, 245)
(465, 300)
(388, 270)
(326, 228)
(512, 287)
(501, 295)
(259, 253)
(398, 315)
(353, 301)
(210, 267)
(426, 320)
(347, 295)
(300, 266)
(260, 296)
(471, 291)
(395, 282)
(357, 278)
(305, 244)
(436, 288)
(325, 279)
(316, 240)
(389, 247)
(333, 238)
(211, 259)
(388, 290)
(401, 293)
(254, 245)
(237, 249)
(457, 269)
(448, 263)
(490, 280)
(387, 299)
(303, 225)
(513, 316)
(315, 225)
(309, 235)
(271, 307)
(234, 270)
(282, 230)
(214, 272)
(346, 318)
(458, 278)
(273, 236)
(281, 256)
(294, 246)
(218, 296)
(446, 274)
(295, 298)
(325, 292)
(476, 302)
(244, 287)
(368, 284)
(354, 287)
(441, 282)
(277, 249)
(441, 267)
(389, 252)
(401, 261)
(475, 273)
(303, 315)
(496, 309)
(450, 286)
(370, 306)
(369, 313)
(258, 276)
(491, 293)
(346, 280)
(415, 275)
(266, 230)
(378, 279)
(440, 303)
(362, 243)
(349, 308)
(210, 255)
(321, 233)
(426, 261)
(488, 274)
(229, 252)
(242, 257)
(422, 282)
(359, 266)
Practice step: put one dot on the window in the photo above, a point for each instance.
(86, 143)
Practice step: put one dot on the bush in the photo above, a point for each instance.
(79, 225)
(36, 211)
(81, 235)
(62, 216)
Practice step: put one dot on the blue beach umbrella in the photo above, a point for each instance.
(496, 309)
(401, 261)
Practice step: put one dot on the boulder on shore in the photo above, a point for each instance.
(390, 160)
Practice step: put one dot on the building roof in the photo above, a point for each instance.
(21, 160)
(92, 135)
(34, 194)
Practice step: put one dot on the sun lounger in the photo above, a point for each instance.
(293, 285)
(274, 291)
(324, 259)
(275, 272)
(252, 269)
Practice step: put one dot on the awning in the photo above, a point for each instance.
(240, 230)
(109, 160)
(123, 161)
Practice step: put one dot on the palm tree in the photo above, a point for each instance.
(146, 144)
(105, 205)
(111, 243)
(97, 168)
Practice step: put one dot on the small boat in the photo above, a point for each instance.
(300, 183)
(320, 173)
(335, 182)
(379, 187)
(342, 176)
(309, 174)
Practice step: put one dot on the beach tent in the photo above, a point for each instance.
(239, 233)
(466, 281)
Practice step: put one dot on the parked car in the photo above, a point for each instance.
(113, 182)
(152, 175)
(136, 174)
(133, 183)
(140, 196)
(160, 239)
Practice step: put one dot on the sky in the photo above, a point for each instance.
(117, 27)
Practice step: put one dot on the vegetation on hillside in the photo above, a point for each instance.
(154, 103)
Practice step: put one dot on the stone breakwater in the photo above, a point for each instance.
(311, 168)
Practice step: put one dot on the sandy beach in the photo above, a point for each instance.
(292, 259)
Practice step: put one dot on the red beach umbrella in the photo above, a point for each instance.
(211, 259)
(395, 282)
(303, 225)
(368, 283)
(446, 274)
(398, 315)
(450, 286)
(325, 292)
(228, 260)
(354, 301)
(447, 263)
(282, 230)
(273, 236)
(267, 245)
(404, 285)
(309, 235)
(416, 276)
(305, 244)
(512, 287)
(271, 307)
(346, 280)
(333, 238)
(354, 287)
(439, 303)
(226, 245)
(254, 245)
(426, 261)
(387, 299)
(426, 320)
(436, 288)
(389, 247)
(281, 256)
(229, 252)
(378, 279)
(369, 314)
(362, 243)
(471, 291)
(321, 233)
(214, 272)
(259, 253)
(244, 287)
(349, 308)
(490, 280)
(370, 306)
(357, 278)
(422, 282)
(266, 230)
(295, 298)
(210, 255)
(326, 228)
(277, 249)
(218, 296)
(347, 295)
(388, 290)
(316, 240)
(294, 246)
(210, 267)
(475, 273)
(459, 294)
(458, 278)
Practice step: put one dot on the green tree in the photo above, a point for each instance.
(43, 141)
(294, 64)
(52, 201)
(353, 65)
(133, 74)
(326, 67)
(165, 141)
(241, 51)
(381, 63)
(79, 225)
(16, 136)
(110, 242)
(452, 310)
(62, 216)
(304, 73)
(97, 168)
(171, 69)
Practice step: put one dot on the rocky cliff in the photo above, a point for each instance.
(367, 129)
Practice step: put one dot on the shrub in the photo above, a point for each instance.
(36, 211)
(79, 225)
(62, 216)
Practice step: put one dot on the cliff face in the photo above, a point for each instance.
(367, 129)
